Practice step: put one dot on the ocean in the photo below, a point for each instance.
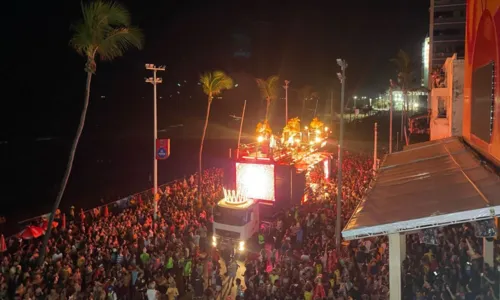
(104, 170)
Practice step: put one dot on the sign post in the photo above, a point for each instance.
(162, 149)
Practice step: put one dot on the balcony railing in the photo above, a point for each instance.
(449, 38)
(441, 21)
(438, 3)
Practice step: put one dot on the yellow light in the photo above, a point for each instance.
(326, 128)
(311, 143)
(306, 128)
(317, 139)
(260, 139)
(317, 131)
(241, 246)
(214, 241)
(297, 141)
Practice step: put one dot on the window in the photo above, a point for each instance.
(482, 109)
(441, 107)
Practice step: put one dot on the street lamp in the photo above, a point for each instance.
(391, 108)
(343, 65)
(287, 82)
(154, 81)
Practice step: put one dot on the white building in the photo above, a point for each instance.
(446, 100)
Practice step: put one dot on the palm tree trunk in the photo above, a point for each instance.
(200, 168)
(268, 104)
(69, 166)
(303, 108)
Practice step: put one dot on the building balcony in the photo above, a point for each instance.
(442, 22)
(449, 38)
(439, 3)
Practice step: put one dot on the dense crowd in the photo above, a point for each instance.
(125, 254)
(122, 255)
(302, 261)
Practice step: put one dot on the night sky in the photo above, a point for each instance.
(299, 41)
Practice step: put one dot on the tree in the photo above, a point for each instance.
(104, 32)
(213, 83)
(306, 93)
(268, 90)
(405, 71)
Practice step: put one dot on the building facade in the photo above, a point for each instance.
(446, 31)
(481, 124)
(446, 105)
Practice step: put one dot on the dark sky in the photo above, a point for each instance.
(298, 40)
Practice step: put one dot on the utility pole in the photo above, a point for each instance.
(343, 65)
(375, 148)
(331, 109)
(287, 82)
(241, 129)
(390, 115)
(154, 81)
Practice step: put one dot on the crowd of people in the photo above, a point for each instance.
(126, 254)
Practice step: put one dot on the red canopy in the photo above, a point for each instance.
(31, 232)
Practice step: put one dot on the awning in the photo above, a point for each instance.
(427, 185)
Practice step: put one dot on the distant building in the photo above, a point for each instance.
(446, 31)
(424, 76)
(417, 99)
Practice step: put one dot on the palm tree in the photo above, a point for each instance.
(268, 90)
(213, 83)
(104, 32)
(405, 70)
(306, 93)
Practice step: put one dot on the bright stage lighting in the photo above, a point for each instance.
(255, 181)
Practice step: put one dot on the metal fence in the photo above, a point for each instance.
(115, 207)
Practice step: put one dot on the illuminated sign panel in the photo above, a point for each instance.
(255, 181)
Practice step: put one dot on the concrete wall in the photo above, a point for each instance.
(450, 97)
(457, 111)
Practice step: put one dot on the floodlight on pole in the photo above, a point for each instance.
(154, 81)
(287, 82)
(343, 65)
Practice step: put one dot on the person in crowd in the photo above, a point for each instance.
(125, 255)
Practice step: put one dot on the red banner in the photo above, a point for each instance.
(162, 148)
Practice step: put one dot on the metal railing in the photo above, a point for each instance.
(116, 206)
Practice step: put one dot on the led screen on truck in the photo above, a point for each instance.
(255, 181)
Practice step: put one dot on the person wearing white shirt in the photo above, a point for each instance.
(152, 293)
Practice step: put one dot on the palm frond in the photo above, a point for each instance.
(262, 85)
(404, 67)
(273, 86)
(268, 88)
(118, 41)
(213, 83)
(104, 30)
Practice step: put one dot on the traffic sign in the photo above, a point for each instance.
(162, 148)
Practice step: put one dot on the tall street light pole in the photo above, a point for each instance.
(390, 115)
(154, 81)
(343, 65)
(287, 82)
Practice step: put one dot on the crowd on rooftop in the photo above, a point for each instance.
(125, 254)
